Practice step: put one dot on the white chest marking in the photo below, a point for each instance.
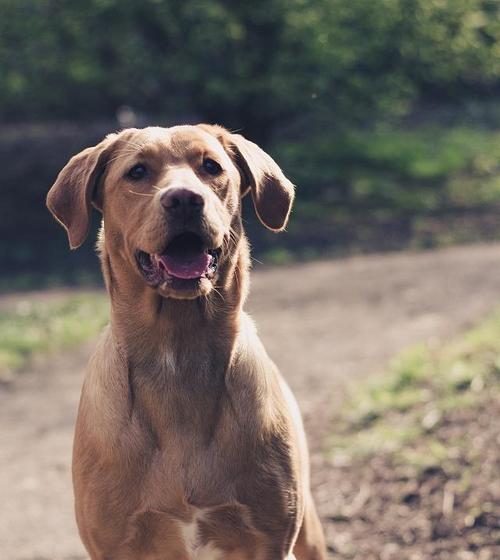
(191, 537)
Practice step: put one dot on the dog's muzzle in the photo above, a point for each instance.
(185, 261)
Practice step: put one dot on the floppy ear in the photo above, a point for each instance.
(70, 198)
(272, 193)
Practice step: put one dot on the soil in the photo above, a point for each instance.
(326, 324)
(388, 510)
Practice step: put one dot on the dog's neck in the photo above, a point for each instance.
(176, 353)
(151, 327)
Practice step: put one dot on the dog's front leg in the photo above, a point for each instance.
(310, 543)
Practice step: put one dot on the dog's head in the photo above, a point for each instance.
(170, 198)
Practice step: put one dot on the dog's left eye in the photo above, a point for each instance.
(137, 172)
(211, 166)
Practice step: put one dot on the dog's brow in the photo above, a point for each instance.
(128, 142)
(152, 149)
(192, 143)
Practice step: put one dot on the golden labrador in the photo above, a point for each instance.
(188, 443)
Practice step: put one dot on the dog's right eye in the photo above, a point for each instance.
(137, 172)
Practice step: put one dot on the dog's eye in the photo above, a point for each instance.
(211, 166)
(137, 172)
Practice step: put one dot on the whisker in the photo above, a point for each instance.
(123, 154)
(218, 293)
(236, 276)
(214, 305)
(130, 143)
(140, 194)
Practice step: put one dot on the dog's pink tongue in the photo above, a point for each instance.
(186, 266)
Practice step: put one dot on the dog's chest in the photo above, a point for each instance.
(189, 492)
(193, 541)
(194, 464)
(213, 533)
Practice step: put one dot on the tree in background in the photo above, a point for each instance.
(251, 65)
(337, 90)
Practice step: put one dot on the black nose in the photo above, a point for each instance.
(182, 202)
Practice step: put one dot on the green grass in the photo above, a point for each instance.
(421, 185)
(394, 169)
(50, 280)
(42, 327)
(409, 401)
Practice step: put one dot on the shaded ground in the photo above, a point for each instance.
(415, 455)
(386, 510)
(324, 323)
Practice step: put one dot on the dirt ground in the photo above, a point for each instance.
(326, 324)
(388, 509)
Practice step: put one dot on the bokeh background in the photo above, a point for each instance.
(384, 113)
(379, 301)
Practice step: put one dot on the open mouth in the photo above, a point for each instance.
(185, 261)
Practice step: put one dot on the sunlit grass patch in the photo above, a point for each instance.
(31, 328)
(399, 412)
(414, 169)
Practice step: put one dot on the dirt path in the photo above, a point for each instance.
(324, 323)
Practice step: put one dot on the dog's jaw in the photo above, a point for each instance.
(186, 269)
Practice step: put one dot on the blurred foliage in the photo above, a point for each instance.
(422, 385)
(249, 65)
(419, 169)
(383, 113)
(32, 328)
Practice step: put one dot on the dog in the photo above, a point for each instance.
(188, 442)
